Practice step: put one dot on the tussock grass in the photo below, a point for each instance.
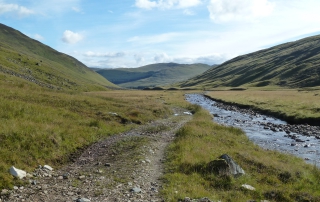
(292, 105)
(276, 176)
(39, 126)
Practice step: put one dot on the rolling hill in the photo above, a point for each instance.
(23, 57)
(152, 75)
(295, 64)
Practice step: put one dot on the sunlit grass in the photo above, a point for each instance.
(276, 176)
(293, 105)
(39, 126)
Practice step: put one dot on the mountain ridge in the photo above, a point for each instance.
(158, 74)
(293, 64)
(35, 62)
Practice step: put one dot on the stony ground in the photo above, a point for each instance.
(124, 167)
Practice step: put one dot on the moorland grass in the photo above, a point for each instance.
(276, 176)
(296, 106)
(41, 126)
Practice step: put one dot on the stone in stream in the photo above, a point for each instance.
(225, 165)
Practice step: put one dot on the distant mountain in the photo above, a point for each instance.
(26, 58)
(294, 64)
(153, 75)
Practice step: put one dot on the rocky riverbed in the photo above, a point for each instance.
(266, 131)
(124, 167)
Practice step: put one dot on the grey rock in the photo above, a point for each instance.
(4, 192)
(136, 190)
(225, 165)
(65, 176)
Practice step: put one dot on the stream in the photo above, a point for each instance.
(267, 132)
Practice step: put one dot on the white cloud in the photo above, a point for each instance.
(239, 10)
(188, 12)
(162, 57)
(38, 37)
(71, 37)
(166, 4)
(139, 58)
(211, 59)
(154, 39)
(205, 59)
(53, 8)
(15, 9)
(76, 9)
(107, 55)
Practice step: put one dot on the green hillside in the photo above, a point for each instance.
(23, 57)
(153, 75)
(295, 64)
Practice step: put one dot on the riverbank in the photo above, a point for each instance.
(275, 176)
(293, 106)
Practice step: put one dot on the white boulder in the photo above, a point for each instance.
(17, 172)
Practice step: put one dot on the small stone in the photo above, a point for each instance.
(48, 167)
(83, 200)
(249, 187)
(60, 178)
(148, 161)
(82, 177)
(136, 190)
(187, 199)
(65, 176)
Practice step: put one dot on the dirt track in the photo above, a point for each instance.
(124, 167)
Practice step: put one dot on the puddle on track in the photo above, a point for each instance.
(255, 126)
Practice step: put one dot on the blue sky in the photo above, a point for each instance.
(133, 33)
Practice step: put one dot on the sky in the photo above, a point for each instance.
(134, 33)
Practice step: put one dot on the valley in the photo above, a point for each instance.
(107, 142)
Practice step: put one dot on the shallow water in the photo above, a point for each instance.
(254, 125)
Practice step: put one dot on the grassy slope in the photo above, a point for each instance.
(40, 126)
(291, 105)
(152, 75)
(276, 176)
(295, 64)
(27, 58)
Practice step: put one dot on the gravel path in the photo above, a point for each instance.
(124, 167)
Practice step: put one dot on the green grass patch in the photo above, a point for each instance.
(276, 176)
(292, 105)
(39, 126)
